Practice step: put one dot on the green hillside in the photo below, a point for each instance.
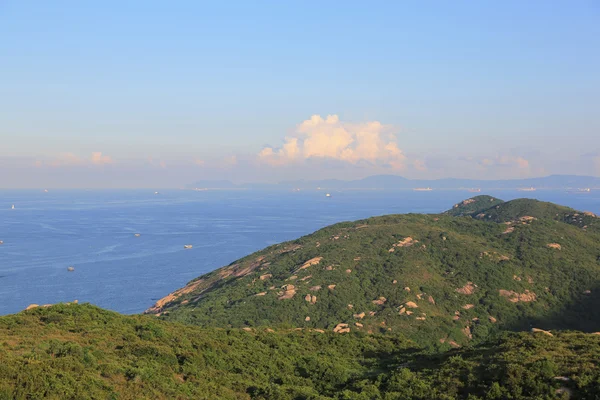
(394, 307)
(83, 352)
(440, 280)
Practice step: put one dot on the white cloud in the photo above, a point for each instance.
(331, 138)
(72, 160)
(99, 159)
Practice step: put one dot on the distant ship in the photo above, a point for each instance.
(529, 189)
(475, 190)
(584, 190)
(136, 235)
(45, 190)
(13, 207)
(427, 189)
(156, 193)
(327, 195)
(187, 246)
(70, 269)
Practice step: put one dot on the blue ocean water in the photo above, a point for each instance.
(94, 231)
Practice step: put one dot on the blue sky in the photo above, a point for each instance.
(154, 93)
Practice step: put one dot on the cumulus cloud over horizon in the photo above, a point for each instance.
(330, 138)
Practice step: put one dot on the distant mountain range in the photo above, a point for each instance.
(399, 182)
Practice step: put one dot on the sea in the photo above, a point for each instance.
(94, 232)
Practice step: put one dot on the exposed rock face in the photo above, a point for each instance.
(360, 315)
(492, 319)
(515, 297)
(331, 287)
(468, 306)
(469, 288)
(257, 294)
(406, 242)
(307, 319)
(431, 300)
(467, 332)
(341, 328)
(554, 246)
(310, 299)
(411, 304)
(31, 306)
(380, 301)
(541, 331)
(358, 324)
(311, 262)
(510, 229)
(315, 288)
(265, 277)
(190, 287)
(289, 292)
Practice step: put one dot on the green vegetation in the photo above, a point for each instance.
(83, 352)
(394, 307)
(469, 278)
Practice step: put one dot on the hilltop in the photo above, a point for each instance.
(443, 281)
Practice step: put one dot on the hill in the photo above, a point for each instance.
(71, 351)
(474, 206)
(441, 280)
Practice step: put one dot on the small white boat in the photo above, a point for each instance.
(187, 246)
(327, 195)
(13, 207)
(1, 242)
(475, 190)
(427, 189)
(137, 235)
(71, 269)
(156, 193)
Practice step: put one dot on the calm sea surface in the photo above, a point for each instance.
(94, 231)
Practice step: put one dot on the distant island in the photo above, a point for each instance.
(568, 182)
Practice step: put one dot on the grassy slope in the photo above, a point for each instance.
(451, 251)
(83, 352)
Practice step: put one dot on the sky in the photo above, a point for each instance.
(160, 94)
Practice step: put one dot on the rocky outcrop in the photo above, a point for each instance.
(537, 330)
(310, 299)
(380, 301)
(341, 328)
(160, 304)
(515, 297)
(288, 293)
(309, 263)
(554, 246)
(468, 289)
